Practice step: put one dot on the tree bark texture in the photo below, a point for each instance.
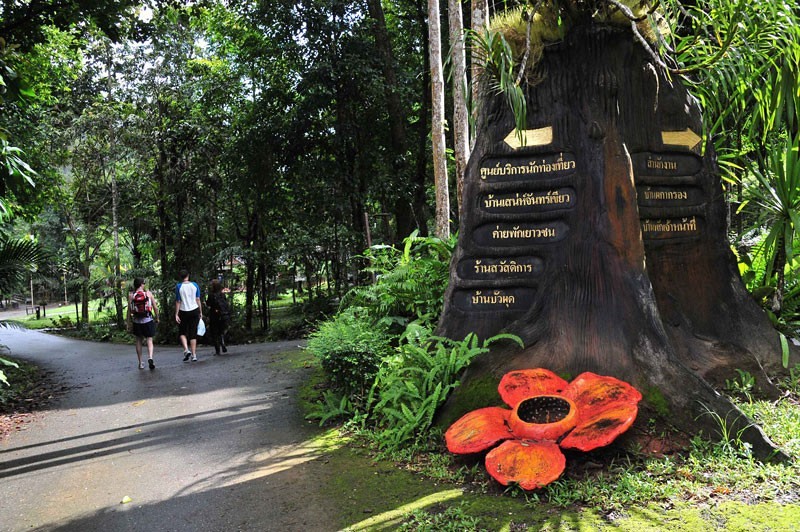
(479, 21)
(602, 243)
(442, 227)
(460, 120)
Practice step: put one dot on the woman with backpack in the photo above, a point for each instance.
(143, 314)
(220, 315)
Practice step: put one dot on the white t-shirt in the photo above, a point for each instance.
(187, 294)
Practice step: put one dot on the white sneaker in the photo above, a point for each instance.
(141, 365)
(194, 358)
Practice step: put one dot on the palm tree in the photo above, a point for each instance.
(776, 196)
(17, 256)
(16, 259)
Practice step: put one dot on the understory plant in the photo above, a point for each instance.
(408, 285)
(382, 341)
(350, 348)
(414, 383)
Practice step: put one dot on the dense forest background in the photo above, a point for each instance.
(272, 142)
(212, 135)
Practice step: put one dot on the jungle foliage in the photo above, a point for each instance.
(388, 373)
(270, 143)
(222, 138)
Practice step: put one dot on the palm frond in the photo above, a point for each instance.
(16, 260)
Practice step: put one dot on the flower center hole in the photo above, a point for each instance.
(542, 410)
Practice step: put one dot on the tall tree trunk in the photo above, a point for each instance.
(420, 176)
(251, 265)
(112, 169)
(167, 272)
(250, 284)
(479, 20)
(603, 244)
(404, 215)
(442, 227)
(396, 113)
(461, 144)
(85, 268)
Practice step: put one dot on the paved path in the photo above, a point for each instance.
(215, 445)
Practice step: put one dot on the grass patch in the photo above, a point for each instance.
(60, 315)
(297, 359)
(22, 380)
(707, 487)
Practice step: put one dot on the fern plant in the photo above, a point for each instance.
(350, 348)
(409, 283)
(331, 406)
(409, 287)
(412, 385)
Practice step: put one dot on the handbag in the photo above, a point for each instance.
(201, 328)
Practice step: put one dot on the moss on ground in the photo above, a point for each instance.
(380, 496)
(657, 401)
(296, 359)
(482, 392)
(374, 494)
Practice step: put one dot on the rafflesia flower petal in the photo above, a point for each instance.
(547, 413)
(607, 407)
(478, 430)
(529, 464)
(522, 384)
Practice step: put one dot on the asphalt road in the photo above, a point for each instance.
(214, 445)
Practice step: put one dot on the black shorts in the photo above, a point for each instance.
(189, 321)
(145, 330)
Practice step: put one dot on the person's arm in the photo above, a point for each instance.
(177, 303)
(153, 305)
(197, 298)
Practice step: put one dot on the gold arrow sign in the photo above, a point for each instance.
(686, 138)
(530, 137)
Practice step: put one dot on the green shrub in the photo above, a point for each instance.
(62, 322)
(409, 284)
(350, 348)
(412, 385)
(7, 363)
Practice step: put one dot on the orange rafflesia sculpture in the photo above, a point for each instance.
(547, 414)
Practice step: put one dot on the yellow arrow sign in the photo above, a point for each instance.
(530, 137)
(686, 138)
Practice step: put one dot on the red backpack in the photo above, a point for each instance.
(140, 305)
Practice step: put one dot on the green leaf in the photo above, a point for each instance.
(784, 350)
(10, 363)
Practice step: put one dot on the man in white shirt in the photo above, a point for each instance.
(188, 313)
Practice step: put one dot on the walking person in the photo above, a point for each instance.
(220, 315)
(143, 315)
(188, 313)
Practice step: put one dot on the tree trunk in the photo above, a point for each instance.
(114, 195)
(442, 228)
(403, 210)
(460, 121)
(85, 269)
(250, 284)
(479, 21)
(602, 242)
(394, 107)
(420, 199)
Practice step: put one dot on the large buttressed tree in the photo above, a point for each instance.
(596, 231)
